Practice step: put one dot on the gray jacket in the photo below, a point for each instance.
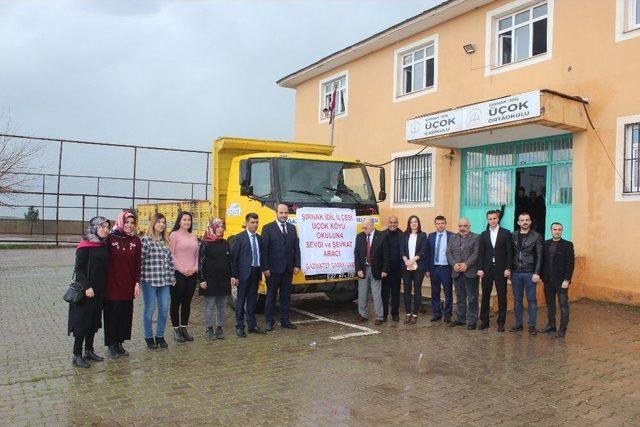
(464, 250)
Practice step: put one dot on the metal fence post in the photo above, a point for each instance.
(43, 202)
(135, 159)
(58, 195)
(206, 179)
(83, 205)
(98, 198)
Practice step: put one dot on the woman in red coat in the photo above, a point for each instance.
(123, 283)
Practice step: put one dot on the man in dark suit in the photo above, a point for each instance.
(494, 261)
(245, 251)
(372, 264)
(440, 271)
(557, 269)
(280, 261)
(391, 283)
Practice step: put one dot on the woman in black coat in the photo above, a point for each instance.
(92, 257)
(217, 275)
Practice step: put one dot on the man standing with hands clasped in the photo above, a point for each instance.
(525, 274)
(495, 255)
(280, 261)
(558, 265)
(372, 264)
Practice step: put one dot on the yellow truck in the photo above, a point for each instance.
(252, 175)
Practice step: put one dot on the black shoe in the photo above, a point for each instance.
(447, 320)
(456, 323)
(112, 350)
(395, 317)
(121, 350)
(533, 330)
(516, 329)
(240, 332)
(219, 333)
(436, 319)
(79, 361)
(151, 343)
(257, 330)
(561, 333)
(471, 327)
(288, 325)
(210, 334)
(90, 355)
(186, 334)
(547, 329)
(500, 328)
(268, 327)
(177, 335)
(483, 326)
(161, 342)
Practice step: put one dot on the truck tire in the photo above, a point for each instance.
(342, 297)
(233, 298)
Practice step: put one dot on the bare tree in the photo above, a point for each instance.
(15, 157)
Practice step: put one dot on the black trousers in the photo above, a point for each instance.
(550, 293)
(118, 316)
(181, 296)
(278, 282)
(77, 344)
(412, 281)
(491, 276)
(391, 287)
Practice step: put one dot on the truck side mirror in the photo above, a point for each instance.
(382, 195)
(245, 178)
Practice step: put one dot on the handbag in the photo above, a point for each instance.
(75, 293)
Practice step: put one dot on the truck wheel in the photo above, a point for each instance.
(343, 297)
(233, 298)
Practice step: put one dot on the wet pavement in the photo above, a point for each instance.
(326, 373)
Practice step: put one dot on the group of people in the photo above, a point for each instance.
(114, 266)
(460, 261)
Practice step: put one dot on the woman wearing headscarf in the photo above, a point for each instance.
(217, 274)
(123, 282)
(157, 278)
(92, 257)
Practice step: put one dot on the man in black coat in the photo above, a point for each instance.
(557, 269)
(245, 251)
(494, 261)
(372, 264)
(280, 261)
(391, 283)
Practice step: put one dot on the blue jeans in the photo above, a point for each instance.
(151, 295)
(523, 283)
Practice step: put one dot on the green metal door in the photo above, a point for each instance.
(489, 180)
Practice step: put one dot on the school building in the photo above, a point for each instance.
(478, 98)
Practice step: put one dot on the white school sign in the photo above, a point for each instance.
(490, 113)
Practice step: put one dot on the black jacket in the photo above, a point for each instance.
(394, 240)
(422, 250)
(503, 251)
(379, 254)
(280, 253)
(242, 255)
(560, 268)
(527, 258)
(91, 270)
(216, 268)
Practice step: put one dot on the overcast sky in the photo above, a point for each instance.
(168, 73)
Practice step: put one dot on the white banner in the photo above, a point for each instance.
(327, 239)
(502, 110)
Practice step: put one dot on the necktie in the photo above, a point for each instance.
(367, 237)
(284, 229)
(437, 254)
(254, 251)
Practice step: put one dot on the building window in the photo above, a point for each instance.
(418, 69)
(627, 19)
(632, 158)
(634, 15)
(413, 179)
(522, 35)
(339, 84)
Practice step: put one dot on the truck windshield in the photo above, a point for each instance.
(329, 183)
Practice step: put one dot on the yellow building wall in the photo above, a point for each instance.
(586, 61)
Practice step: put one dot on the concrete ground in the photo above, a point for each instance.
(328, 372)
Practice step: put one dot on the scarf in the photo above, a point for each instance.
(90, 236)
(118, 229)
(210, 233)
